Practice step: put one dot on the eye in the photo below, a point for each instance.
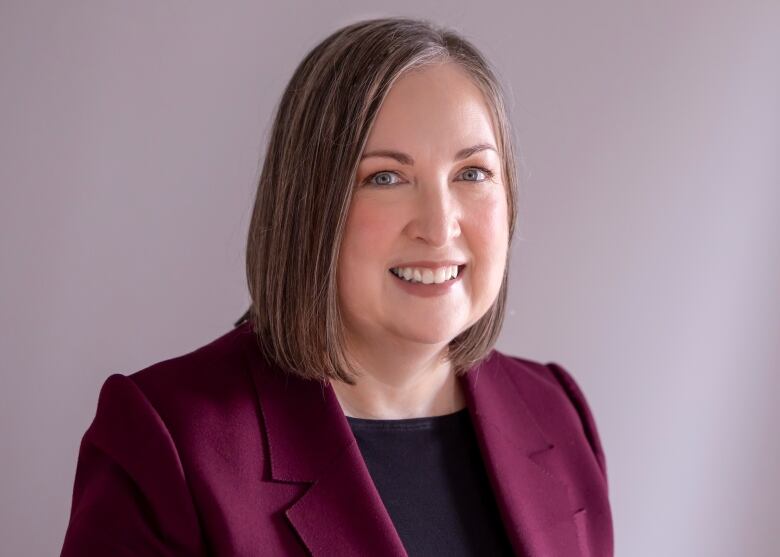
(475, 171)
(383, 178)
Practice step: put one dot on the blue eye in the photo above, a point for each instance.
(382, 182)
(385, 176)
(488, 174)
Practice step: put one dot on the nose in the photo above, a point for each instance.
(437, 214)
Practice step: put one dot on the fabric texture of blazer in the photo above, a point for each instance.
(218, 452)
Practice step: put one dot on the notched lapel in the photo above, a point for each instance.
(534, 504)
(343, 514)
(309, 441)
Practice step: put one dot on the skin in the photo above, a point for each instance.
(436, 209)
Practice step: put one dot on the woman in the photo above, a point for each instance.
(359, 408)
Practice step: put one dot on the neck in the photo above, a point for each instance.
(397, 387)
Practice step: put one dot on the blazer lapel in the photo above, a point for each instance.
(341, 513)
(533, 502)
(310, 441)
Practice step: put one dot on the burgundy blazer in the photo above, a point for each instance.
(217, 452)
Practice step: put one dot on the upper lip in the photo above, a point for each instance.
(429, 264)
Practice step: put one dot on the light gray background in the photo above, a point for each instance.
(646, 260)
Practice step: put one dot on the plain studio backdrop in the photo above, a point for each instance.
(646, 259)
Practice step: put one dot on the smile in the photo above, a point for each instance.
(429, 290)
(427, 276)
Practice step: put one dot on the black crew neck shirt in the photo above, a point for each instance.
(431, 478)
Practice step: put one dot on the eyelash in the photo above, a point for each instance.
(487, 172)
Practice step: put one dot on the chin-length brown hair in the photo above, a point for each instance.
(305, 188)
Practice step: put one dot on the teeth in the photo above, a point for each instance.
(426, 276)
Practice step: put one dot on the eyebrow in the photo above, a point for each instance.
(403, 158)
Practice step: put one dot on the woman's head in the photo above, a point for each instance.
(326, 228)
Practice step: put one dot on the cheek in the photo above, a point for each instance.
(490, 233)
(490, 226)
(368, 230)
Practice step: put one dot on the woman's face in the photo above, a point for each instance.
(440, 203)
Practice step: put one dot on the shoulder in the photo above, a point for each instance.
(187, 396)
(553, 393)
(549, 377)
(209, 365)
(527, 370)
(546, 383)
(159, 436)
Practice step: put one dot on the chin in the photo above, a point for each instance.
(430, 335)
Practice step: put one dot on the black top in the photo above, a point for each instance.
(430, 475)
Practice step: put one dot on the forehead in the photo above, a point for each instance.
(435, 107)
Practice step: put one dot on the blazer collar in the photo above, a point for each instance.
(309, 440)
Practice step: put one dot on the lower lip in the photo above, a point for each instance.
(428, 290)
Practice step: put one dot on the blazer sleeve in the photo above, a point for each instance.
(130, 496)
(577, 398)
